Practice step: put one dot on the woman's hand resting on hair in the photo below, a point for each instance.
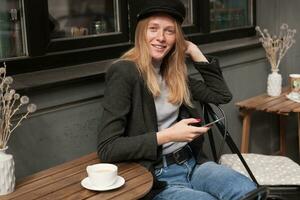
(194, 52)
(181, 131)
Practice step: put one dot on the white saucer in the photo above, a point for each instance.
(86, 183)
(293, 97)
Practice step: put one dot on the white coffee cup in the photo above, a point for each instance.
(102, 174)
(295, 82)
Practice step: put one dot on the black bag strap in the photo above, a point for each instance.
(211, 138)
(208, 111)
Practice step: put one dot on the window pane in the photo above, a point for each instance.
(12, 29)
(78, 18)
(189, 12)
(228, 14)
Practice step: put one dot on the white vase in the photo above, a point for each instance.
(274, 84)
(7, 175)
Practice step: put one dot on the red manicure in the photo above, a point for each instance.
(199, 119)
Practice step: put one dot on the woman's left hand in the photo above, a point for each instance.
(194, 52)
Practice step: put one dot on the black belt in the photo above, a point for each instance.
(179, 157)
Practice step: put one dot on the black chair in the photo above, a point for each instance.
(282, 192)
(260, 193)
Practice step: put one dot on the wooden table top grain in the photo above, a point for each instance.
(63, 182)
(279, 105)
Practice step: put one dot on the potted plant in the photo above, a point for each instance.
(276, 47)
(10, 103)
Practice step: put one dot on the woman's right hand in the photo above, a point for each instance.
(182, 131)
(194, 52)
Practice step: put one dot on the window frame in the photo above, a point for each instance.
(47, 54)
(39, 30)
(200, 33)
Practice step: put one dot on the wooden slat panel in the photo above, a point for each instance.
(276, 108)
(251, 102)
(57, 169)
(66, 179)
(127, 192)
(136, 193)
(289, 108)
(274, 101)
(296, 110)
(265, 105)
(46, 180)
(140, 174)
(42, 191)
(256, 101)
(53, 177)
(62, 193)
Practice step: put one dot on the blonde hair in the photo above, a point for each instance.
(174, 69)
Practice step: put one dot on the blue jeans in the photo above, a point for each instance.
(208, 181)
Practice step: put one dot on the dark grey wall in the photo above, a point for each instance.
(65, 126)
(271, 14)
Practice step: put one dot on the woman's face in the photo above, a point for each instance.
(161, 36)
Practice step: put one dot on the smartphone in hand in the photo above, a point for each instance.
(213, 122)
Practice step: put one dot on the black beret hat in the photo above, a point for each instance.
(174, 8)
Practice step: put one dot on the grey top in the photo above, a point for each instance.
(167, 113)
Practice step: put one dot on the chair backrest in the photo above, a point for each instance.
(260, 193)
(209, 113)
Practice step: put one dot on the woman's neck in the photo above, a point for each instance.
(156, 65)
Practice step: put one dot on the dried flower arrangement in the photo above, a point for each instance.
(276, 47)
(10, 103)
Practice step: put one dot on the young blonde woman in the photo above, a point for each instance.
(148, 113)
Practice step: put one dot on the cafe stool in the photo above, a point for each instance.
(267, 169)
